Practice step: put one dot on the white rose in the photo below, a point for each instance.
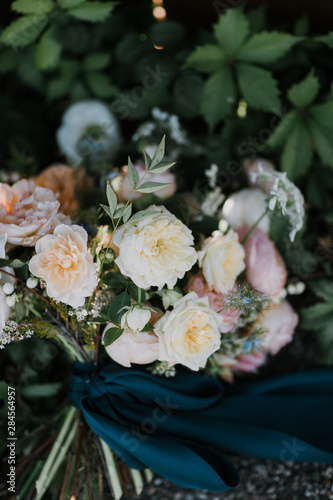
(244, 209)
(156, 250)
(104, 131)
(140, 348)
(222, 260)
(135, 318)
(4, 310)
(4, 278)
(189, 333)
(63, 261)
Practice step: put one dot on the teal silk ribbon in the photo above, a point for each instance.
(178, 426)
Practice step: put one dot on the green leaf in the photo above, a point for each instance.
(111, 335)
(92, 12)
(320, 123)
(67, 4)
(143, 214)
(283, 130)
(48, 51)
(14, 263)
(132, 174)
(166, 34)
(159, 153)
(117, 305)
(24, 30)
(266, 47)
(116, 281)
(147, 159)
(20, 311)
(41, 390)
(162, 167)
(304, 93)
(207, 58)
(32, 6)
(58, 87)
(101, 85)
(134, 292)
(151, 187)
(327, 39)
(322, 288)
(297, 154)
(219, 97)
(111, 197)
(188, 103)
(107, 210)
(231, 30)
(127, 213)
(96, 61)
(258, 87)
(325, 339)
(317, 317)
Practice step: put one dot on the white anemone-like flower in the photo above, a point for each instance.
(88, 128)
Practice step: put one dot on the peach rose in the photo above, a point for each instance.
(279, 322)
(265, 269)
(140, 348)
(64, 262)
(28, 212)
(124, 189)
(65, 181)
(230, 316)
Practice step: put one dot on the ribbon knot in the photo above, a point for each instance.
(178, 427)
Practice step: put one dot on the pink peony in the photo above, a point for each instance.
(265, 269)
(124, 190)
(28, 212)
(230, 316)
(279, 322)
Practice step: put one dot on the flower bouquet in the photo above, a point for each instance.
(153, 312)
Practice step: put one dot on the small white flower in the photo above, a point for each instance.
(8, 288)
(285, 196)
(11, 300)
(211, 174)
(296, 288)
(212, 202)
(32, 282)
(136, 318)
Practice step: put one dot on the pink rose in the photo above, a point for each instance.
(140, 348)
(265, 269)
(249, 363)
(28, 212)
(279, 322)
(124, 190)
(230, 316)
(251, 167)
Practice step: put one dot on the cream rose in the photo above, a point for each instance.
(245, 207)
(140, 348)
(189, 333)
(63, 261)
(222, 260)
(156, 250)
(4, 310)
(28, 212)
(135, 318)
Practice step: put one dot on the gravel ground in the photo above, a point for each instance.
(260, 480)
